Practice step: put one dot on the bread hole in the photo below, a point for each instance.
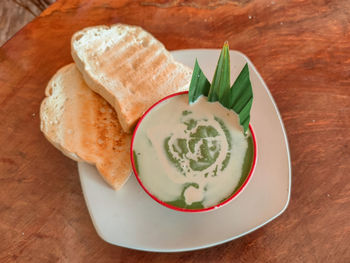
(134, 65)
(145, 42)
(50, 91)
(78, 37)
(133, 90)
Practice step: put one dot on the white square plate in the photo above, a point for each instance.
(130, 218)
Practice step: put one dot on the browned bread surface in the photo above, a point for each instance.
(128, 67)
(84, 126)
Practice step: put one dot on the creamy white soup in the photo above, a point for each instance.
(190, 155)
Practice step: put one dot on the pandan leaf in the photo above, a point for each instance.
(238, 98)
(221, 81)
(199, 84)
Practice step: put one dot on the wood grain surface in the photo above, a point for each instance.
(14, 14)
(301, 49)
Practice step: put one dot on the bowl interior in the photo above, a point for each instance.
(180, 204)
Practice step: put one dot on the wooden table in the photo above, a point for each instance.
(302, 50)
(17, 13)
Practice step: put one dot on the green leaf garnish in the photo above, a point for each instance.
(221, 80)
(238, 98)
(199, 84)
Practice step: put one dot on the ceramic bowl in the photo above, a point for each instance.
(242, 184)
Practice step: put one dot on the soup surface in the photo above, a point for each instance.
(191, 155)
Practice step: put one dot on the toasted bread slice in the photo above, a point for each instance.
(128, 67)
(84, 126)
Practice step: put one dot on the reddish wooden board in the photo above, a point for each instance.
(301, 49)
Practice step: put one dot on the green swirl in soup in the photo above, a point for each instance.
(191, 155)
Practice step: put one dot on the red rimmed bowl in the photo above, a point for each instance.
(247, 170)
